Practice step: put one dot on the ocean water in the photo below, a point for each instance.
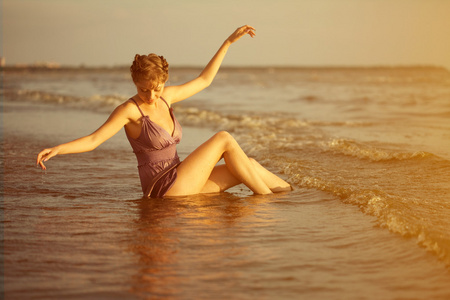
(366, 149)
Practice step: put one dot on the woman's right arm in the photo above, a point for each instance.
(184, 91)
(115, 122)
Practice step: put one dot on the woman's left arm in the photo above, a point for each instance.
(180, 92)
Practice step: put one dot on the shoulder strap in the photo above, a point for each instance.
(138, 107)
(165, 102)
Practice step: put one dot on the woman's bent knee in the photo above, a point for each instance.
(224, 135)
(225, 138)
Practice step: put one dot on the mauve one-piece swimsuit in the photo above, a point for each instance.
(157, 156)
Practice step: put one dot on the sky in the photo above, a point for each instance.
(189, 32)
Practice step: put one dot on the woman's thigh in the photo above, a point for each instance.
(220, 180)
(193, 173)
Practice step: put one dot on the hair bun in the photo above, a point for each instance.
(150, 67)
(164, 64)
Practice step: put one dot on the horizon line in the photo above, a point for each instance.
(55, 66)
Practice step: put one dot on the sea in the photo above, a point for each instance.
(366, 149)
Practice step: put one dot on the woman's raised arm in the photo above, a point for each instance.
(115, 122)
(181, 92)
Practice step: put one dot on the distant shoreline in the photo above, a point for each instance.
(32, 68)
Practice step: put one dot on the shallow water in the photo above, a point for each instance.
(80, 230)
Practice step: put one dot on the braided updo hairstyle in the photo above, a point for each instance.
(151, 68)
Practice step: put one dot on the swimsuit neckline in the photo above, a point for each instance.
(147, 117)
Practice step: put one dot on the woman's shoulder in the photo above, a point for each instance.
(127, 109)
(167, 95)
(127, 106)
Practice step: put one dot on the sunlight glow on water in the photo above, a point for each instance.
(375, 139)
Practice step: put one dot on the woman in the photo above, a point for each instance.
(153, 132)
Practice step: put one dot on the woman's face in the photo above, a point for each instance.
(148, 91)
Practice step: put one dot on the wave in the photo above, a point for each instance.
(272, 129)
(193, 115)
(355, 149)
(398, 214)
(101, 103)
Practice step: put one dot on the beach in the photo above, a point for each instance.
(367, 152)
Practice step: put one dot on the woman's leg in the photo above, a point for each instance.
(275, 183)
(195, 171)
(221, 179)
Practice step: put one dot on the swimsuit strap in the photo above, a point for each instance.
(138, 107)
(165, 102)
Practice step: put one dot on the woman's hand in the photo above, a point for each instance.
(240, 32)
(45, 155)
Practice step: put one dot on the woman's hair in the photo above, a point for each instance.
(151, 68)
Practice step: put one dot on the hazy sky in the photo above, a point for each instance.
(188, 32)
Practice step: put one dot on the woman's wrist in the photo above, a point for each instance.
(227, 43)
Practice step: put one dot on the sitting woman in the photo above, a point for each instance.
(153, 133)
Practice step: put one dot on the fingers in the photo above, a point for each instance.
(247, 29)
(43, 156)
(43, 167)
(240, 32)
(39, 159)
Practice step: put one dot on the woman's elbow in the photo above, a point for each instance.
(208, 83)
(205, 81)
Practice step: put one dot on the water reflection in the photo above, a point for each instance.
(182, 239)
